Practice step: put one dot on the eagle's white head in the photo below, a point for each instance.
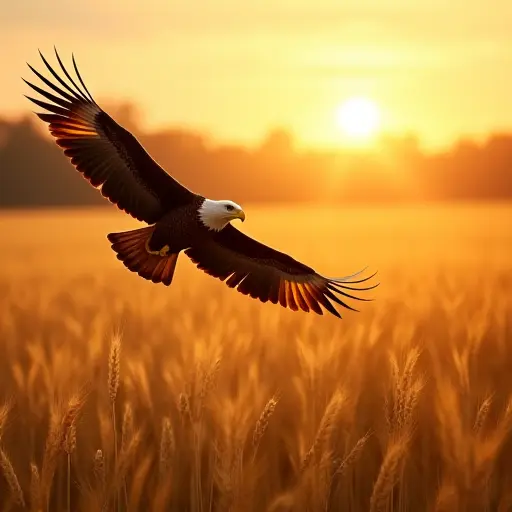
(216, 215)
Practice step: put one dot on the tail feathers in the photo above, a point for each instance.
(131, 249)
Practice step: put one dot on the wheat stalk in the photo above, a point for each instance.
(127, 426)
(207, 385)
(69, 448)
(69, 444)
(184, 407)
(4, 414)
(114, 367)
(60, 424)
(114, 371)
(388, 475)
(35, 489)
(167, 447)
(11, 478)
(99, 470)
(405, 393)
(326, 426)
(262, 423)
(125, 459)
(126, 434)
(410, 403)
(353, 455)
(481, 416)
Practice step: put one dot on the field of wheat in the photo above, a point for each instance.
(117, 394)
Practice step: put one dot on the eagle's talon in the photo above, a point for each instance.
(164, 251)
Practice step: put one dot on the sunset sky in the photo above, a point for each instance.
(234, 69)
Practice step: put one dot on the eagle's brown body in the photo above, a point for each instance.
(179, 228)
(112, 160)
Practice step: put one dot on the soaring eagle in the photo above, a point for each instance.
(112, 160)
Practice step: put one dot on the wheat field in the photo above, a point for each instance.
(117, 394)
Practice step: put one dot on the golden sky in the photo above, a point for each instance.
(234, 69)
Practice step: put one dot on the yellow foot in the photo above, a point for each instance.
(164, 251)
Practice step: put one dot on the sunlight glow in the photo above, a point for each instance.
(359, 118)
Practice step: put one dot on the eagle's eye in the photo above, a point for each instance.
(230, 207)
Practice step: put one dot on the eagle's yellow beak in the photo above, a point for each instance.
(241, 215)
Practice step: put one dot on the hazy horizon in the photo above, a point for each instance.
(34, 172)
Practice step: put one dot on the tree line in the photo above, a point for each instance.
(34, 172)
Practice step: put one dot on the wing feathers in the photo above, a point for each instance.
(333, 297)
(262, 273)
(282, 293)
(59, 79)
(273, 294)
(299, 299)
(320, 298)
(81, 94)
(50, 107)
(311, 301)
(49, 96)
(107, 155)
(49, 84)
(290, 299)
(330, 286)
(348, 279)
(80, 78)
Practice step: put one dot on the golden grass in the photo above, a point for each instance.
(116, 394)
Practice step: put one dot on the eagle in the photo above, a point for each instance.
(112, 160)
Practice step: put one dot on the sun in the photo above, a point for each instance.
(358, 118)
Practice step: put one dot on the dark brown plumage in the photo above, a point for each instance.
(112, 159)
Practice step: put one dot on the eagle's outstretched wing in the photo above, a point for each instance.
(106, 154)
(269, 275)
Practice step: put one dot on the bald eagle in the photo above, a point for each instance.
(112, 160)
